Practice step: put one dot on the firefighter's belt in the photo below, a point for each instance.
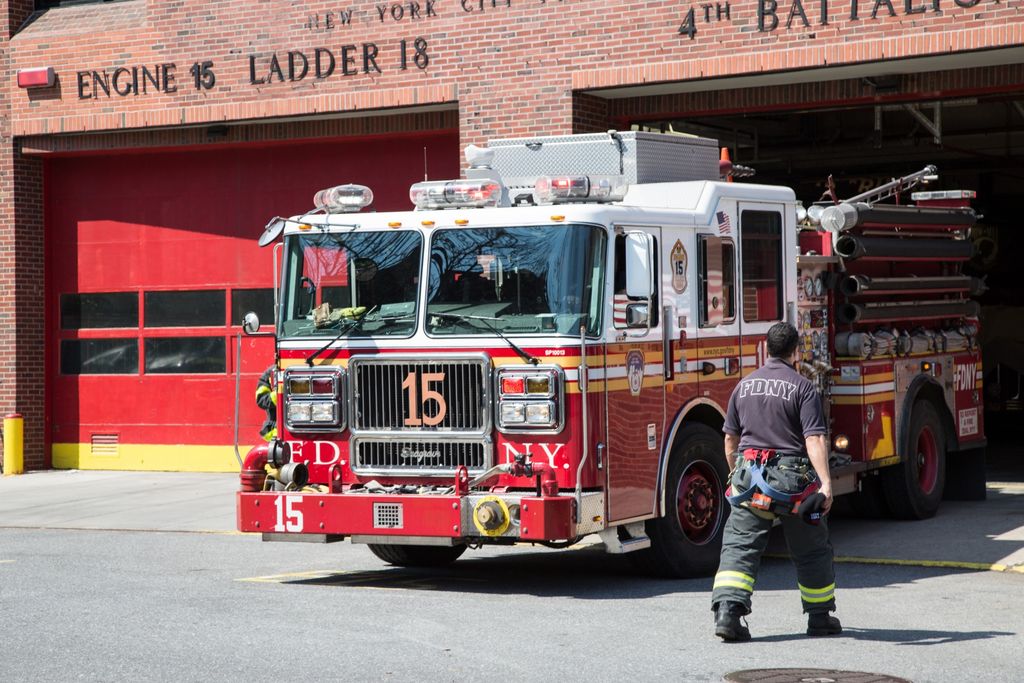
(760, 493)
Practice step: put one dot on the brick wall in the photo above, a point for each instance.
(22, 332)
(512, 65)
(590, 113)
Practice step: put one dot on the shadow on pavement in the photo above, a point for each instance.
(900, 637)
(584, 574)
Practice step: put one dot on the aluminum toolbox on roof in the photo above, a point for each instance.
(637, 156)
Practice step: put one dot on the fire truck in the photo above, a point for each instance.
(544, 349)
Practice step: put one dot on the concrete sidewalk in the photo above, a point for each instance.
(145, 501)
(964, 534)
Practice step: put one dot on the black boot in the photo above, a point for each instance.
(727, 622)
(823, 624)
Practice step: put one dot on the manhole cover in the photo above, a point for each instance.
(809, 676)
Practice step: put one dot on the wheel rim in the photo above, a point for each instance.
(699, 501)
(927, 460)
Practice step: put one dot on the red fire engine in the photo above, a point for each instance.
(544, 350)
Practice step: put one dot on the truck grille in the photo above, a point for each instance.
(411, 395)
(418, 457)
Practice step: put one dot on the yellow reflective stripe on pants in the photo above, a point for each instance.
(733, 579)
(817, 594)
(271, 435)
(262, 390)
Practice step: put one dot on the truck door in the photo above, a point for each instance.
(634, 376)
(762, 276)
(719, 352)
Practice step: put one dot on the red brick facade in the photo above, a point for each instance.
(22, 271)
(512, 66)
(489, 67)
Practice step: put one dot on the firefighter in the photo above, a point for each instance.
(775, 446)
(266, 399)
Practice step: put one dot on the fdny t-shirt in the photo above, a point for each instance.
(774, 407)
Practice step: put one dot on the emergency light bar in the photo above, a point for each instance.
(343, 198)
(451, 194)
(562, 189)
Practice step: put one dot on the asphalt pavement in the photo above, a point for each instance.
(969, 535)
(141, 576)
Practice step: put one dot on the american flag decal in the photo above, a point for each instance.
(724, 226)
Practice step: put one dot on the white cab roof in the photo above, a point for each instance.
(682, 203)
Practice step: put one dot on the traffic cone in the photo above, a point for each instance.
(725, 165)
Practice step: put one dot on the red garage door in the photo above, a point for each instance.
(152, 260)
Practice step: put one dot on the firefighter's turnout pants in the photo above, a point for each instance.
(745, 537)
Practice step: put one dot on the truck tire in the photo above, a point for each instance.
(687, 541)
(417, 555)
(913, 488)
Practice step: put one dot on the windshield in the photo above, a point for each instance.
(356, 284)
(522, 280)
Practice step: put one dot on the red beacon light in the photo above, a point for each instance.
(563, 189)
(42, 77)
(451, 194)
(343, 198)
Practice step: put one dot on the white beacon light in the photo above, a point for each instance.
(343, 198)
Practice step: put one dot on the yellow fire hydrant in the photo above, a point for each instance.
(14, 444)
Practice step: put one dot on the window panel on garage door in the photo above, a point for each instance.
(99, 310)
(99, 356)
(259, 301)
(176, 355)
(192, 308)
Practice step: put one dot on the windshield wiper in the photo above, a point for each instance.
(345, 329)
(487, 321)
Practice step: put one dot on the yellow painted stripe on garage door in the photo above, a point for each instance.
(147, 457)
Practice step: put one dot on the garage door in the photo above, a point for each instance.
(152, 261)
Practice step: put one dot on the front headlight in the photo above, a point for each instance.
(540, 413)
(313, 399)
(300, 412)
(513, 412)
(530, 399)
(323, 412)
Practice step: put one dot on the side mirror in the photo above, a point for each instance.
(273, 230)
(639, 272)
(251, 323)
(637, 315)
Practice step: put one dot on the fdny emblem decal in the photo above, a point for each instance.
(964, 376)
(679, 267)
(635, 371)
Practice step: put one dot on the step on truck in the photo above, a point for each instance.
(543, 351)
